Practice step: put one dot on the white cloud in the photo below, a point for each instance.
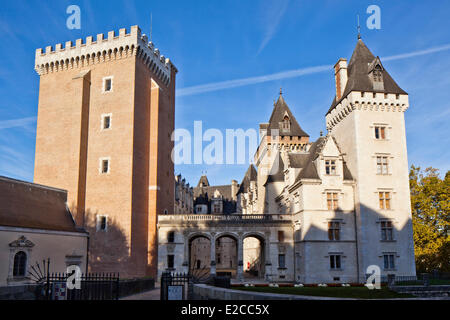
(6, 124)
(272, 25)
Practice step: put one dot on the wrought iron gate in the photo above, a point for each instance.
(176, 286)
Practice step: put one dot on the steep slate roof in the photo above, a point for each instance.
(359, 79)
(203, 181)
(28, 205)
(203, 195)
(279, 175)
(278, 113)
(309, 170)
(250, 175)
(306, 161)
(298, 160)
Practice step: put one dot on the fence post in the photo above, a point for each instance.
(391, 280)
(426, 279)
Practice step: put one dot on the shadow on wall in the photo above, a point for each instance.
(385, 240)
(108, 248)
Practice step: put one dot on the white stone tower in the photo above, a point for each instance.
(367, 120)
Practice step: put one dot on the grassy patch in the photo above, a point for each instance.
(336, 292)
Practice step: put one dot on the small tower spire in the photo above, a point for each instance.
(358, 27)
(281, 91)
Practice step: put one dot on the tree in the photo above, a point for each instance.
(430, 204)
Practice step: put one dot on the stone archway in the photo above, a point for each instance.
(226, 252)
(254, 256)
(199, 247)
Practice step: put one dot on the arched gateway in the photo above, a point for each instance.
(242, 246)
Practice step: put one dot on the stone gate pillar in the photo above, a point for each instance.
(240, 257)
(213, 254)
(267, 257)
(186, 252)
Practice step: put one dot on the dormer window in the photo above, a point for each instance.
(377, 75)
(285, 124)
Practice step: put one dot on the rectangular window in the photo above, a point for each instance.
(170, 261)
(171, 237)
(280, 236)
(106, 122)
(389, 261)
(334, 230)
(380, 133)
(335, 261)
(105, 166)
(281, 261)
(216, 207)
(330, 167)
(107, 84)
(102, 223)
(385, 200)
(382, 165)
(387, 231)
(332, 200)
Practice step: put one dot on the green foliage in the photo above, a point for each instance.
(430, 204)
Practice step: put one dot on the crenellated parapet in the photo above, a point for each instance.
(357, 101)
(101, 50)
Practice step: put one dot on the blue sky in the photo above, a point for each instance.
(212, 42)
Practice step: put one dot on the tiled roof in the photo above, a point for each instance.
(29, 205)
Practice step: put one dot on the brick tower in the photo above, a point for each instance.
(105, 119)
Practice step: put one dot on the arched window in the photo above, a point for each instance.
(20, 262)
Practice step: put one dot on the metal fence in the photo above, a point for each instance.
(421, 279)
(176, 286)
(92, 286)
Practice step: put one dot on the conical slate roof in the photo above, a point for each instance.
(361, 64)
(279, 111)
(279, 175)
(250, 175)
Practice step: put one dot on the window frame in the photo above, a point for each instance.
(171, 261)
(382, 163)
(387, 230)
(104, 81)
(334, 230)
(385, 200)
(330, 167)
(101, 165)
(100, 223)
(21, 264)
(380, 132)
(281, 261)
(102, 125)
(332, 197)
(389, 262)
(335, 261)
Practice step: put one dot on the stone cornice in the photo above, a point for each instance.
(354, 101)
(103, 50)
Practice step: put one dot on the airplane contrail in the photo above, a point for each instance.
(216, 86)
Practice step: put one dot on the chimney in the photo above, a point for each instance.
(340, 75)
(234, 189)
